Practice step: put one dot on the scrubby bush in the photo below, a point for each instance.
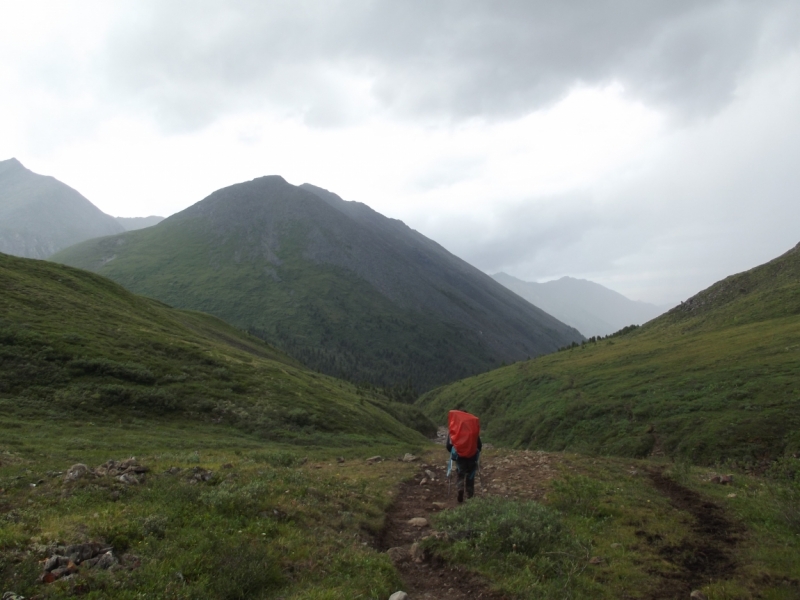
(495, 525)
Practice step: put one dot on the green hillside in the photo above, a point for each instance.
(76, 345)
(338, 286)
(715, 379)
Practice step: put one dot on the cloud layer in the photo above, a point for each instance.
(650, 146)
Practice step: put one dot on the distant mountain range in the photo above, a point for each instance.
(39, 215)
(134, 223)
(338, 286)
(589, 307)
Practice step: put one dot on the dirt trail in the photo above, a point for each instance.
(703, 556)
(519, 474)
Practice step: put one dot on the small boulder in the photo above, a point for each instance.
(398, 554)
(698, 595)
(374, 459)
(340, 459)
(409, 457)
(424, 481)
(439, 505)
(76, 472)
(416, 553)
(418, 522)
(399, 596)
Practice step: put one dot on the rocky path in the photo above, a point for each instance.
(519, 474)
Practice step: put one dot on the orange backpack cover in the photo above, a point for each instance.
(464, 430)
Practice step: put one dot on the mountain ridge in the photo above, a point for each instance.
(40, 215)
(591, 308)
(337, 285)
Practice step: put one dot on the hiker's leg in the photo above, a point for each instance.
(471, 479)
(461, 477)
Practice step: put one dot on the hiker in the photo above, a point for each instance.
(464, 444)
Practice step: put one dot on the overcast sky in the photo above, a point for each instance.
(653, 147)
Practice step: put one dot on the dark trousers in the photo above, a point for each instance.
(465, 475)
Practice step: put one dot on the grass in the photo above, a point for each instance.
(604, 531)
(716, 379)
(75, 343)
(273, 521)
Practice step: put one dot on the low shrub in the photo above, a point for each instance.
(493, 525)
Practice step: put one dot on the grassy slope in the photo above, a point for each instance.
(320, 314)
(717, 378)
(75, 343)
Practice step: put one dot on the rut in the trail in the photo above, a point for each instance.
(705, 555)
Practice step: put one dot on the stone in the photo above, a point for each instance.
(106, 561)
(424, 481)
(174, 470)
(596, 560)
(340, 459)
(616, 545)
(731, 495)
(698, 595)
(12, 596)
(399, 596)
(726, 479)
(439, 505)
(409, 457)
(374, 459)
(430, 475)
(75, 472)
(416, 553)
(398, 554)
(418, 522)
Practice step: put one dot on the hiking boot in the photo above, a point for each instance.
(460, 495)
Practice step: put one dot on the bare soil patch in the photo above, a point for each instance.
(705, 555)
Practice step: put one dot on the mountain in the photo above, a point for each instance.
(589, 307)
(340, 287)
(39, 215)
(715, 379)
(76, 345)
(134, 223)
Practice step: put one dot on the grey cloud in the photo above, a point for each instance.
(453, 59)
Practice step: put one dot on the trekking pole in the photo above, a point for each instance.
(449, 470)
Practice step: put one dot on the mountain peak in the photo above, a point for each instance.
(10, 165)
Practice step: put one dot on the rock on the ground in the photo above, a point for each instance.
(439, 505)
(698, 595)
(398, 554)
(76, 472)
(374, 459)
(418, 522)
(399, 596)
(409, 457)
(416, 553)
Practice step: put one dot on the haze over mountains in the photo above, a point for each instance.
(333, 283)
(134, 223)
(39, 215)
(591, 308)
